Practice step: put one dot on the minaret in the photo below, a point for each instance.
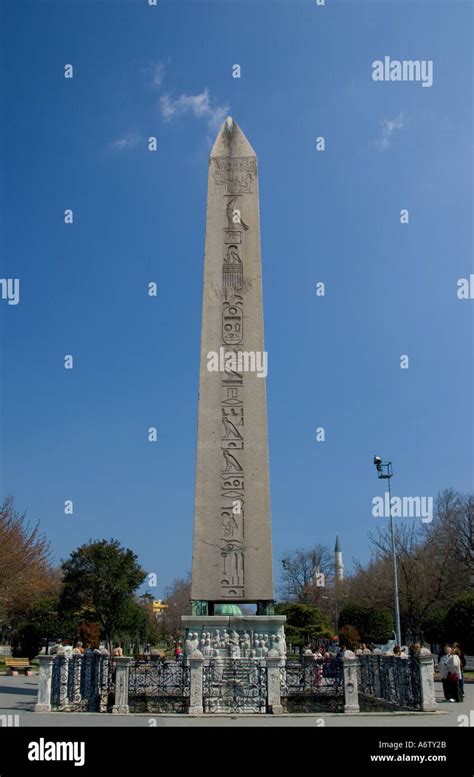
(338, 561)
(232, 559)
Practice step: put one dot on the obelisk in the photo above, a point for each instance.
(232, 558)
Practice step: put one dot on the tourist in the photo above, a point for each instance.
(54, 650)
(117, 652)
(457, 646)
(318, 669)
(67, 648)
(78, 649)
(178, 653)
(454, 675)
(88, 651)
(443, 670)
(415, 649)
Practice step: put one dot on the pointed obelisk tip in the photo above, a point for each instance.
(231, 141)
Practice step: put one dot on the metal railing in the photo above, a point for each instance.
(393, 682)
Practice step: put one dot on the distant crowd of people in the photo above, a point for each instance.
(397, 650)
(65, 648)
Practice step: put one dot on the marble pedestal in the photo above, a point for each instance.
(234, 636)
(235, 662)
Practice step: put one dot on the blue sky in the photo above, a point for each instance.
(139, 216)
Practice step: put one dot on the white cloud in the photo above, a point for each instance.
(388, 127)
(157, 74)
(122, 144)
(198, 104)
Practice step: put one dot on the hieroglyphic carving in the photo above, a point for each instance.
(234, 213)
(231, 463)
(232, 273)
(231, 420)
(233, 568)
(234, 176)
(232, 323)
(232, 236)
(232, 514)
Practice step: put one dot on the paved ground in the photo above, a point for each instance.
(18, 697)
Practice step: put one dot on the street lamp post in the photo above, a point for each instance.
(384, 470)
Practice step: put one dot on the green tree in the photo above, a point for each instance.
(433, 626)
(379, 628)
(304, 622)
(373, 624)
(40, 624)
(353, 614)
(137, 626)
(49, 622)
(459, 622)
(100, 578)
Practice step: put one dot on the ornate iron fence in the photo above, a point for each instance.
(234, 685)
(389, 682)
(156, 685)
(82, 683)
(313, 685)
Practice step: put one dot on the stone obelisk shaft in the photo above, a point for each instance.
(232, 558)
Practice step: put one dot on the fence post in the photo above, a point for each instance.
(77, 668)
(274, 662)
(428, 696)
(44, 685)
(105, 672)
(196, 662)
(122, 665)
(351, 691)
(64, 683)
(377, 668)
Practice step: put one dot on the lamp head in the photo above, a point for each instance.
(378, 463)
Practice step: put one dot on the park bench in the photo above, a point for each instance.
(14, 664)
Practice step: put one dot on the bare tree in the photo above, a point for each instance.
(434, 563)
(178, 599)
(454, 527)
(299, 574)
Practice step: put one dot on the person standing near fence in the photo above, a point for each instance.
(54, 650)
(443, 669)
(454, 676)
(462, 657)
